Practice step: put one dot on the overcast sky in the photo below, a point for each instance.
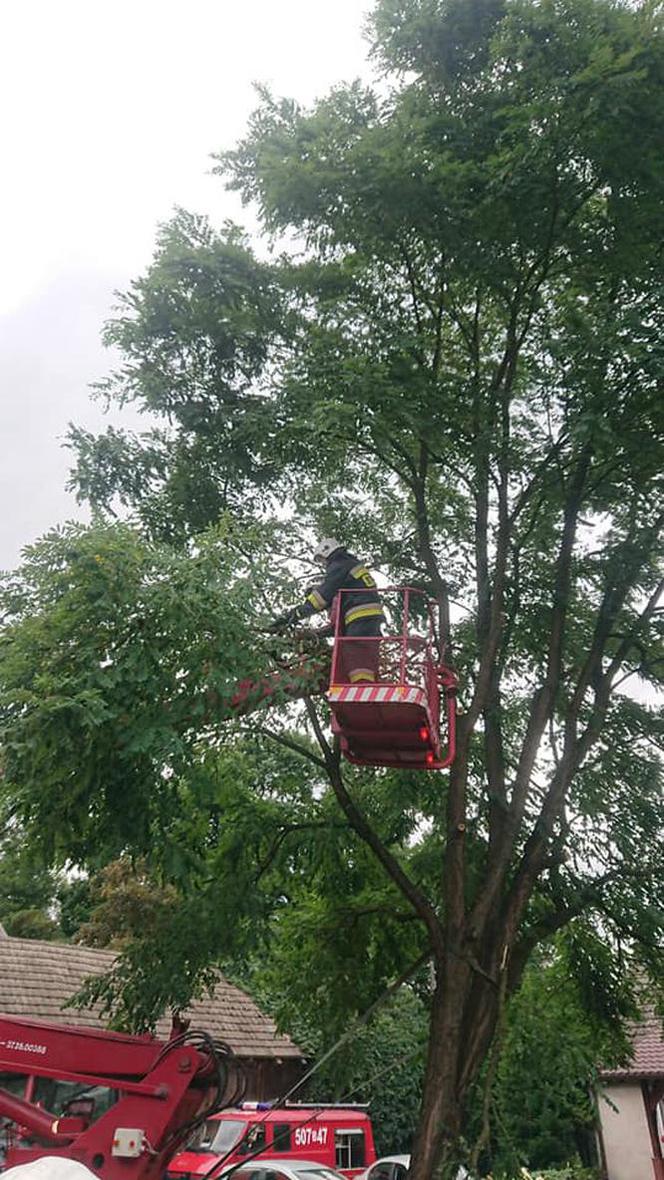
(111, 109)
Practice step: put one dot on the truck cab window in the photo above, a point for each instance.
(253, 1140)
(349, 1149)
(281, 1137)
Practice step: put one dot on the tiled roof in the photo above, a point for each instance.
(37, 978)
(648, 1052)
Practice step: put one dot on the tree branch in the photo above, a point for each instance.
(440, 586)
(541, 704)
(360, 824)
(289, 744)
(283, 835)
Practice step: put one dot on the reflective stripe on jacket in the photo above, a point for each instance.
(360, 600)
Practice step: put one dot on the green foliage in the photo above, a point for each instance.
(27, 889)
(246, 833)
(542, 1110)
(457, 366)
(32, 923)
(124, 905)
(447, 40)
(75, 903)
(117, 656)
(383, 1066)
(194, 334)
(573, 1172)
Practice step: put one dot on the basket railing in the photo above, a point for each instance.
(406, 653)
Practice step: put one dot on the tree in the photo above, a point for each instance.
(463, 370)
(125, 904)
(534, 1103)
(74, 904)
(382, 1065)
(27, 890)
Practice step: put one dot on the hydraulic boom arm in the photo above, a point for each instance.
(158, 1092)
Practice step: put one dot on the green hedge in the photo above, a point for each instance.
(571, 1173)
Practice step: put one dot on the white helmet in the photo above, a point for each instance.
(326, 548)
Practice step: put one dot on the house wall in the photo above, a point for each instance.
(268, 1079)
(625, 1133)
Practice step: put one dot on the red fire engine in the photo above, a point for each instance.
(337, 1137)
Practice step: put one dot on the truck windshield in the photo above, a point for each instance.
(218, 1136)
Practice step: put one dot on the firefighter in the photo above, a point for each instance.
(362, 611)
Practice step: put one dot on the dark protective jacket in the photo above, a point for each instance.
(345, 572)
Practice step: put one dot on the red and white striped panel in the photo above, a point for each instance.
(401, 694)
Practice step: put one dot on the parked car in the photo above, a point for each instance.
(389, 1167)
(294, 1169)
(395, 1167)
(339, 1138)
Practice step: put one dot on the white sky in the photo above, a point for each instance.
(111, 109)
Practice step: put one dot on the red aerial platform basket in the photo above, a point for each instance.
(387, 693)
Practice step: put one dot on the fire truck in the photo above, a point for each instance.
(337, 1137)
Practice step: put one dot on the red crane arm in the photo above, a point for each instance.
(162, 1088)
(36, 1046)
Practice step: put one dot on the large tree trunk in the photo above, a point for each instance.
(464, 1015)
(440, 1113)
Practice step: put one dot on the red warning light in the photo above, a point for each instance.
(429, 758)
(424, 733)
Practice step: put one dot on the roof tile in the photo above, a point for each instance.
(648, 1051)
(37, 978)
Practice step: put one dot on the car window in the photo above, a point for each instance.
(14, 1082)
(59, 1097)
(382, 1171)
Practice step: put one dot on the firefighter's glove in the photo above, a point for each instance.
(305, 633)
(283, 621)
